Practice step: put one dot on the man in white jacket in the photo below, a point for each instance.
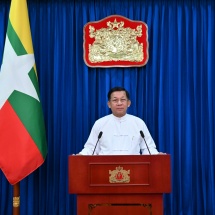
(119, 133)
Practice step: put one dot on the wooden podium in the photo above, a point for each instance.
(119, 184)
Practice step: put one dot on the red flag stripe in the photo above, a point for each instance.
(14, 137)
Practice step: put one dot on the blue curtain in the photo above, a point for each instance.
(174, 93)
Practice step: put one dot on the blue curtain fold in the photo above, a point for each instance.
(174, 93)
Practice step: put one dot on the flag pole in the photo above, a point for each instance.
(16, 198)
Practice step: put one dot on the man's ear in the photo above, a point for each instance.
(129, 103)
(108, 104)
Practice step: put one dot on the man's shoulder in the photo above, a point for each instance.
(132, 117)
(136, 120)
(104, 118)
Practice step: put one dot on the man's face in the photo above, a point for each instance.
(119, 103)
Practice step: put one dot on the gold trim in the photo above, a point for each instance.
(16, 202)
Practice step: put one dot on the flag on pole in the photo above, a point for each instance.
(22, 131)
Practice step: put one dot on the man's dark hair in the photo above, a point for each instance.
(115, 89)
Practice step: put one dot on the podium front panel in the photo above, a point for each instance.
(119, 174)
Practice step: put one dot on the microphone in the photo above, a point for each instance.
(143, 136)
(99, 136)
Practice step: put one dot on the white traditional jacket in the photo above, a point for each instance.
(121, 136)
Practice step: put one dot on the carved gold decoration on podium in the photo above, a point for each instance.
(119, 175)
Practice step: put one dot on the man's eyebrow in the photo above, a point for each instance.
(119, 97)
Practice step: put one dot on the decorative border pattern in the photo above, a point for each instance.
(93, 206)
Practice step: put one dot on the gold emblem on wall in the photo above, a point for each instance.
(119, 175)
(115, 41)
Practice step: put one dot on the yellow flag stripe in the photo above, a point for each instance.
(20, 21)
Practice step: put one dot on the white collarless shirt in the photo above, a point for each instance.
(121, 136)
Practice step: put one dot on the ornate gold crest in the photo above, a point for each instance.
(119, 175)
(115, 41)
